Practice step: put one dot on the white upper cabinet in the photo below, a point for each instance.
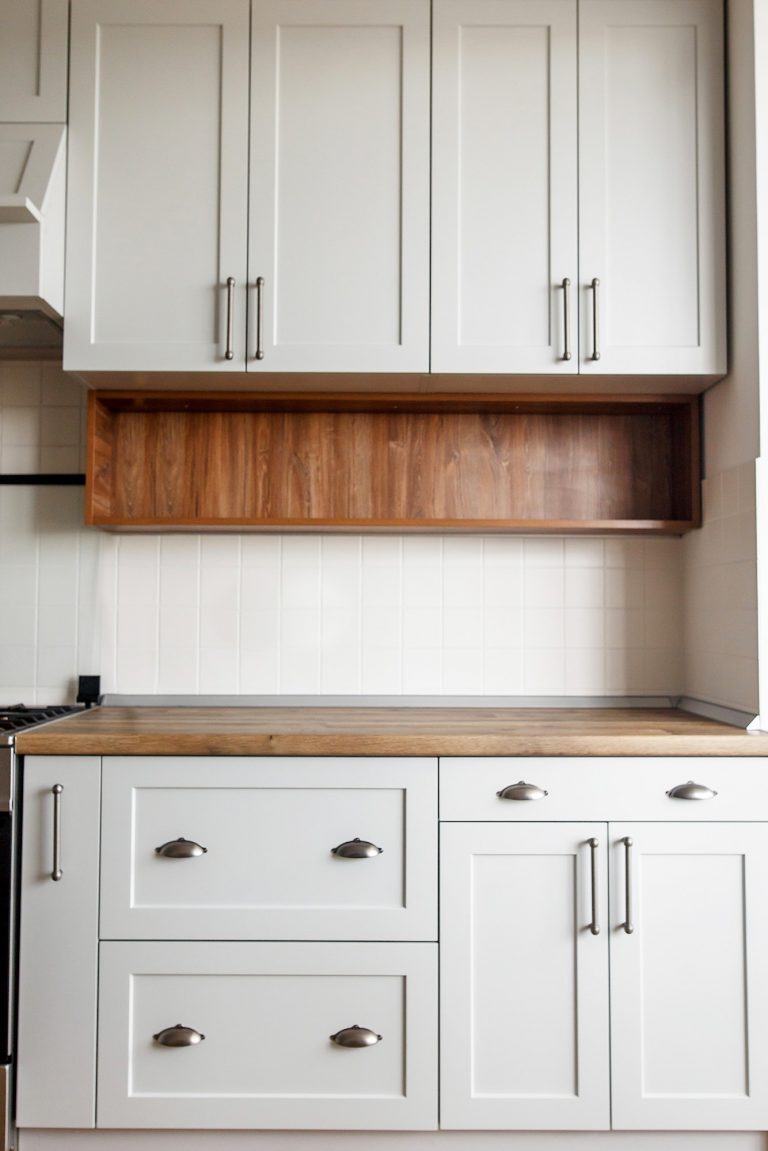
(33, 61)
(339, 209)
(646, 212)
(651, 203)
(158, 183)
(504, 255)
(249, 189)
(158, 191)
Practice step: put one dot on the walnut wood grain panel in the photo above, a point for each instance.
(389, 731)
(538, 465)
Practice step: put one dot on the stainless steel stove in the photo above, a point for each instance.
(12, 720)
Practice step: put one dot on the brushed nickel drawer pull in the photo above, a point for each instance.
(567, 318)
(229, 354)
(181, 849)
(522, 790)
(355, 1036)
(628, 925)
(260, 318)
(594, 926)
(357, 849)
(595, 285)
(56, 791)
(178, 1036)
(691, 790)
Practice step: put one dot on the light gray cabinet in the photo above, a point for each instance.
(533, 952)
(58, 946)
(578, 218)
(317, 248)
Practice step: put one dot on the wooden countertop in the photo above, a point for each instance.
(388, 731)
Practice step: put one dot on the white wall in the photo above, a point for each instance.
(720, 568)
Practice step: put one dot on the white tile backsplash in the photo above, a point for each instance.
(419, 615)
(42, 419)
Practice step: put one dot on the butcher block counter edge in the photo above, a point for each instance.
(339, 731)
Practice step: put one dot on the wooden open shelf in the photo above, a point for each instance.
(486, 463)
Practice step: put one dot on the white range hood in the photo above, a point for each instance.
(32, 194)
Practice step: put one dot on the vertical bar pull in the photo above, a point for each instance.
(628, 924)
(594, 926)
(57, 873)
(259, 318)
(566, 318)
(229, 353)
(595, 285)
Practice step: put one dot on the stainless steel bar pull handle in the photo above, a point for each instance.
(229, 353)
(595, 285)
(594, 926)
(260, 318)
(56, 791)
(566, 319)
(628, 924)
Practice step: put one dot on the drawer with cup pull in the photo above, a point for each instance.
(267, 1035)
(541, 788)
(277, 848)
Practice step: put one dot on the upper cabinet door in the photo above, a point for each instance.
(689, 1000)
(33, 61)
(651, 194)
(504, 191)
(339, 215)
(157, 195)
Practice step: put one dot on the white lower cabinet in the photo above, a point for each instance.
(524, 1013)
(526, 988)
(596, 973)
(689, 995)
(258, 1022)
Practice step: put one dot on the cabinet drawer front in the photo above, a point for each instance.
(257, 859)
(268, 1012)
(587, 788)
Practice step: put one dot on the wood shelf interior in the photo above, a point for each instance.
(389, 462)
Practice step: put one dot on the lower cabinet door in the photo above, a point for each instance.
(268, 1035)
(524, 976)
(689, 982)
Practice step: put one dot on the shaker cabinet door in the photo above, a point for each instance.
(524, 977)
(158, 184)
(651, 187)
(339, 199)
(504, 186)
(689, 998)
